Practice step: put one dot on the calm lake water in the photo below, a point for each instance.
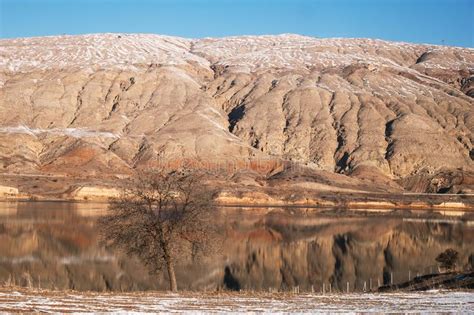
(56, 245)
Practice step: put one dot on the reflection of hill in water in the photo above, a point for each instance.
(56, 244)
(343, 249)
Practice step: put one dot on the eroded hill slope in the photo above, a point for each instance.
(393, 113)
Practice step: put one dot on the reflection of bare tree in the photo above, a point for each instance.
(162, 218)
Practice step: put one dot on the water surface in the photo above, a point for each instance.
(56, 245)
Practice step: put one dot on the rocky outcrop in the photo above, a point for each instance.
(8, 192)
(107, 104)
(95, 193)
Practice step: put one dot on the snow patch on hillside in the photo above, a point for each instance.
(71, 132)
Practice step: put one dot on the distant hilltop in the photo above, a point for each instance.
(249, 52)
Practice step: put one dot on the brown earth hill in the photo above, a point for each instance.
(386, 115)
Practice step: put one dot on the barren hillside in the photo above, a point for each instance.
(391, 116)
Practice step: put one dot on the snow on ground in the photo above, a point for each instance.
(23, 300)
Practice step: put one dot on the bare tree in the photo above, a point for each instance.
(162, 218)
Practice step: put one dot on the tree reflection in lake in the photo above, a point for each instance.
(55, 245)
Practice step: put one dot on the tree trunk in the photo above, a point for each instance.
(170, 267)
(171, 275)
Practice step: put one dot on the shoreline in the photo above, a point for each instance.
(386, 289)
(231, 195)
(343, 203)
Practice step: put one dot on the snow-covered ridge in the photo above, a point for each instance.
(302, 52)
(246, 53)
(97, 50)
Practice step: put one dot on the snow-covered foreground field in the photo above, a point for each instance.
(19, 300)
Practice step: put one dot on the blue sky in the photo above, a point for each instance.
(422, 21)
